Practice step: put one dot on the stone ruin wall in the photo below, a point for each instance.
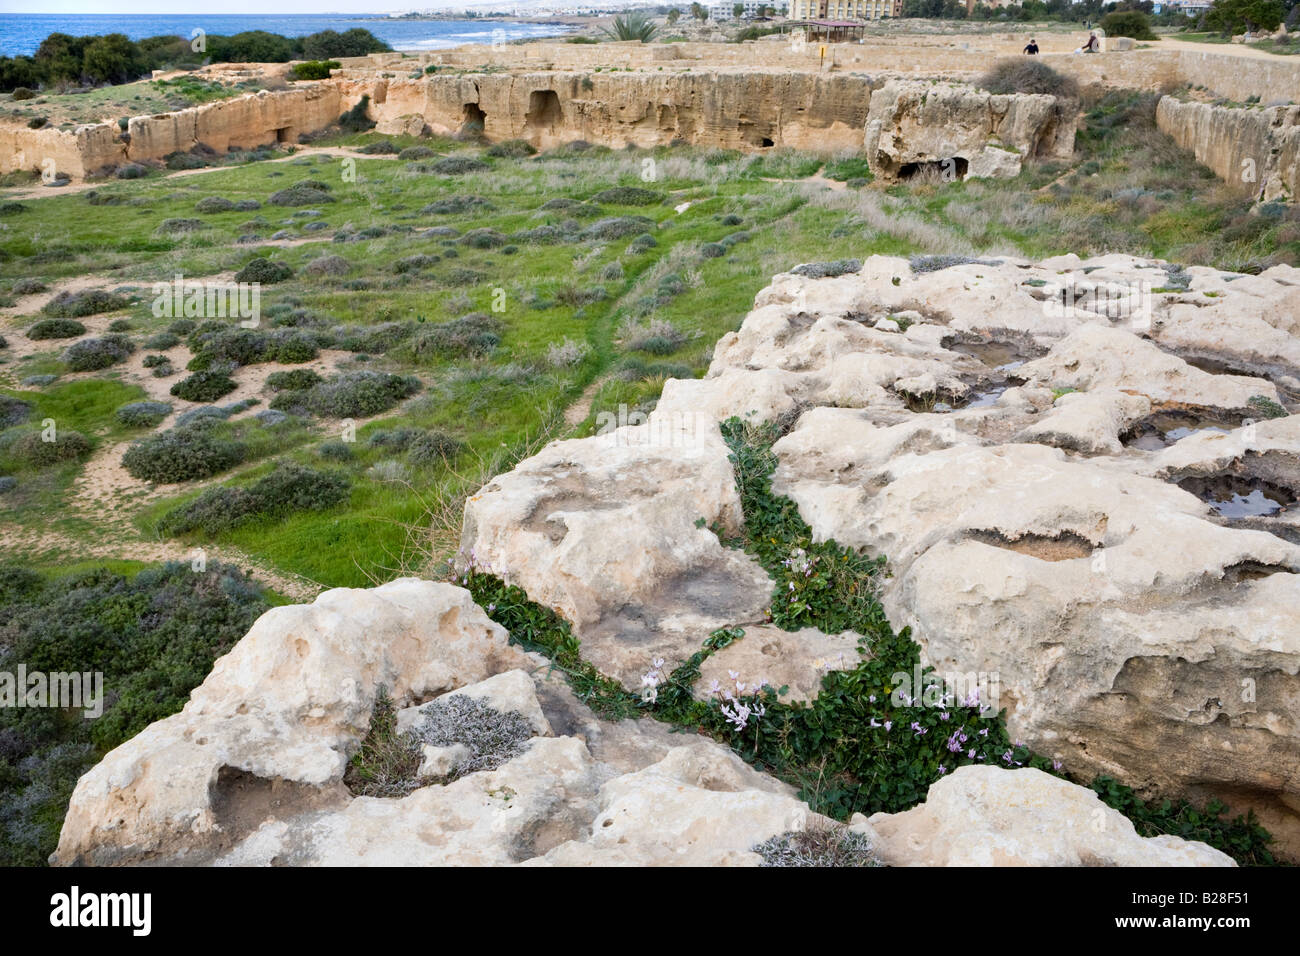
(1256, 152)
(742, 96)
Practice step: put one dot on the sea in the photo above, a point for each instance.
(22, 33)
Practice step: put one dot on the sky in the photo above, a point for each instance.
(318, 7)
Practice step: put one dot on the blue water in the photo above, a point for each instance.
(22, 33)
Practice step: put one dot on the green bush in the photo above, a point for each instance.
(458, 166)
(266, 271)
(309, 192)
(55, 329)
(474, 334)
(313, 69)
(143, 414)
(1128, 23)
(162, 341)
(512, 149)
(298, 378)
(75, 305)
(205, 386)
(210, 204)
(458, 205)
(356, 119)
(13, 411)
(289, 487)
(171, 227)
(629, 196)
(90, 355)
(182, 454)
(350, 395)
(154, 637)
(33, 450)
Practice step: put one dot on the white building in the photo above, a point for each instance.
(845, 9)
(726, 11)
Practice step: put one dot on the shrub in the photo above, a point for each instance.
(629, 196)
(491, 736)
(430, 447)
(13, 411)
(74, 305)
(415, 263)
(156, 361)
(120, 325)
(90, 355)
(171, 227)
(264, 270)
(416, 152)
(483, 239)
(458, 166)
(512, 149)
(179, 160)
(474, 334)
(154, 635)
(827, 270)
(1026, 74)
(642, 243)
(328, 266)
(247, 205)
(36, 122)
(161, 341)
(23, 93)
(658, 337)
(205, 386)
(32, 449)
(1128, 23)
(309, 192)
(298, 378)
(566, 353)
(617, 227)
(7, 483)
(289, 487)
(817, 846)
(213, 204)
(131, 171)
(29, 286)
(923, 264)
(350, 395)
(55, 329)
(335, 451)
(143, 414)
(384, 147)
(713, 250)
(182, 454)
(313, 69)
(457, 205)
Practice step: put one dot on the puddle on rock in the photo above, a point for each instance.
(1235, 497)
(1065, 546)
(1164, 428)
(998, 354)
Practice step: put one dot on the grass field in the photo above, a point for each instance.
(588, 277)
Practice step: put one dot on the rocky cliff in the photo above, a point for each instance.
(1083, 475)
(1254, 150)
(913, 125)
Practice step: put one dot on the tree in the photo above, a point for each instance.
(1237, 16)
(112, 58)
(59, 58)
(674, 15)
(699, 13)
(1128, 23)
(737, 10)
(632, 26)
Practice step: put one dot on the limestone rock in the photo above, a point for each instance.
(986, 816)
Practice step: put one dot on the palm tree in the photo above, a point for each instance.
(633, 26)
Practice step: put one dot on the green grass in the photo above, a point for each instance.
(501, 403)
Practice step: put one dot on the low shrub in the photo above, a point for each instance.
(313, 69)
(264, 270)
(90, 355)
(298, 378)
(161, 341)
(210, 204)
(143, 414)
(182, 454)
(55, 329)
(1026, 74)
(383, 147)
(828, 270)
(327, 266)
(289, 487)
(629, 196)
(14, 411)
(309, 192)
(357, 120)
(474, 334)
(616, 227)
(350, 395)
(512, 149)
(458, 205)
(178, 226)
(75, 305)
(32, 449)
(483, 239)
(458, 166)
(29, 286)
(205, 386)
(416, 152)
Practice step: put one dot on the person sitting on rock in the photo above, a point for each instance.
(1031, 48)
(1093, 45)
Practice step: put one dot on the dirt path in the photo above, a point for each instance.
(577, 413)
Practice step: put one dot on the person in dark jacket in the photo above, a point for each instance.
(1031, 48)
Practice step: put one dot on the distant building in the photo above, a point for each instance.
(845, 9)
(1189, 8)
(726, 11)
